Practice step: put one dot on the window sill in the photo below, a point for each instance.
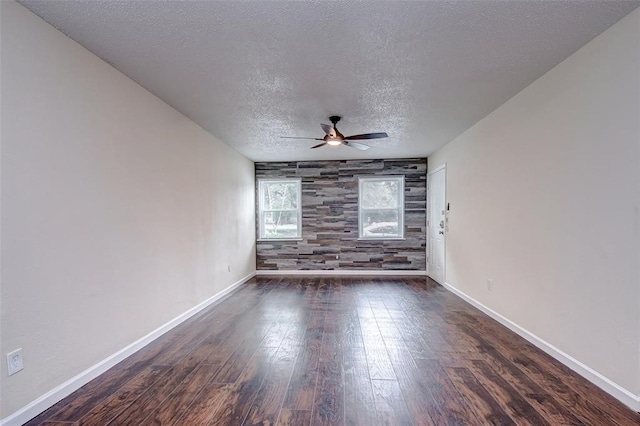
(263, 240)
(382, 239)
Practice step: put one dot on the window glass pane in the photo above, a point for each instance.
(379, 194)
(280, 195)
(381, 209)
(380, 223)
(279, 209)
(280, 224)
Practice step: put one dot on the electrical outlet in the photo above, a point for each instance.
(14, 361)
(489, 284)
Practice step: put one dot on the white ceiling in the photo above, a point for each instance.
(252, 71)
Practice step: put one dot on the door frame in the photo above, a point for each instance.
(446, 220)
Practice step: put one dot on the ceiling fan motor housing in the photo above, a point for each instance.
(334, 137)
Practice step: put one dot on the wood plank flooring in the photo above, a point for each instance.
(339, 351)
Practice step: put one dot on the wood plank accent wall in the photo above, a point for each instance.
(330, 218)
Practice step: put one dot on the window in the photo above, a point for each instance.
(279, 209)
(381, 207)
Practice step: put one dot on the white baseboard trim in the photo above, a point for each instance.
(55, 395)
(397, 273)
(623, 395)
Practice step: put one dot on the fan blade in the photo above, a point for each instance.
(356, 145)
(329, 130)
(367, 136)
(297, 137)
(319, 145)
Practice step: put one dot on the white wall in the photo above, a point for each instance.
(545, 200)
(118, 213)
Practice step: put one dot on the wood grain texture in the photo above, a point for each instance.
(328, 405)
(389, 402)
(358, 393)
(330, 217)
(294, 417)
(339, 351)
(108, 410)
(182, 396)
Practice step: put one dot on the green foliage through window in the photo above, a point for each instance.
(279, 209)
(381, 207)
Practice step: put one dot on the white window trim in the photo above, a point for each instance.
(261, 210)
(399, 209)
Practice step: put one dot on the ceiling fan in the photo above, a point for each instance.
(334, 137)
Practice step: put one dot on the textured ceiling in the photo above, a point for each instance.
(251, 71)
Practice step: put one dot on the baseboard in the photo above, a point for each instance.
(395, 272)
(623, 395)
(55, 395)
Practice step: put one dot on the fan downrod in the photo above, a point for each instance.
(334, 119)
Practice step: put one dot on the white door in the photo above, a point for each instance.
(436, 219)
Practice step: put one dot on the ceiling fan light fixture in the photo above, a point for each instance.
(333, 137)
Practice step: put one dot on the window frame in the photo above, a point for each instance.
(400, 206)
(261, 210)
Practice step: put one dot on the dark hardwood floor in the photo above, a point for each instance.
(334, 351)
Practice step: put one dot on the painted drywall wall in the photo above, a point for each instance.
(118, 213)
(544, 197)
(330, 218)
